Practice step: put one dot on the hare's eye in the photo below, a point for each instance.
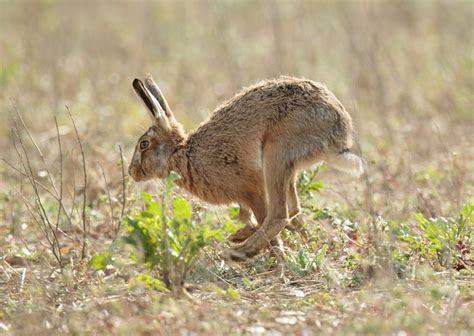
(144, 144)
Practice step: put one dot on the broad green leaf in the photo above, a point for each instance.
(182, 210)
(316, 186)
(231, 227)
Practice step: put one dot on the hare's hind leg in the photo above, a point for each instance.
(279, 172)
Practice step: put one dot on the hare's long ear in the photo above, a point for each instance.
(156, 92)
(157, 113)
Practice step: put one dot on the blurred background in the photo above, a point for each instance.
(403, 69)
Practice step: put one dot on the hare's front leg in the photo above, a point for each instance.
(279, 173)
(245, 217)
(257, 205)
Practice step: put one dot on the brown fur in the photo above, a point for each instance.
(250, 151)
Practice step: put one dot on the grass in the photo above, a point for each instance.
(390, 253)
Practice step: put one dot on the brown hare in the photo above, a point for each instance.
(249, 152)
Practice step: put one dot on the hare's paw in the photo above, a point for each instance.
(296, 224)
(261, 238)
(239, 253)
(247, 249)
(232, 255)
(242, 234)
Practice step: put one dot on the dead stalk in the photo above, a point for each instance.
(167, 267)
(112, 214)
(124, 199)
(57, 195)
(374, 235)
(84, 216)
(47, 226)
(39, 184)
(60, 173)
(38, 149)
(22, 279)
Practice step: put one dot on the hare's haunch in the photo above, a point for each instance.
(249, 151)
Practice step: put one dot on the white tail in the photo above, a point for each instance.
(347, 162)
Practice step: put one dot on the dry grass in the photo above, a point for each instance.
(403, 69)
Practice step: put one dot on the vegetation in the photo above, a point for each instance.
(84, 250)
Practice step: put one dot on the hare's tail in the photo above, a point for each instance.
(346, 161)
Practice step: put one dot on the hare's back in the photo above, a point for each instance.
(281, 105)
(269, 103)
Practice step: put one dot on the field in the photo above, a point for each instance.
(390, 253)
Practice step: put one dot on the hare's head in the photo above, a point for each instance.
(156, 146)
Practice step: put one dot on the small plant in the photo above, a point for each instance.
(308, 183)
(442, 241)
(170, 245)
(305, 261)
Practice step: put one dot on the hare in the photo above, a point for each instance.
(249, 152)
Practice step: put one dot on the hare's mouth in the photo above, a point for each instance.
(137, 173)
(138, 177)
(143, 172)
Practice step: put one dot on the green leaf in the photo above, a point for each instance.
(321, 214)
(182, 210)
(466, 214)
(316, 186)
(234, 212)
(232, 294)
(321, 255)
(231, 227)
(153, 208)
(169, 182)
(422, 221)
(149, 282)
(100, 261)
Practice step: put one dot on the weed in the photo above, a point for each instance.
(308, 183)
(304, 261)
(442, 242)
(169, 244)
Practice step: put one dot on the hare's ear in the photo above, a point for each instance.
(157, 114)
(156, 92)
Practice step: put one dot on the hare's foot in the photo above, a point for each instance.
(242, 251)
(294, 213)
(262, 237)
(278, 252)
(245, 216)
(296, 223)
(242, 234)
